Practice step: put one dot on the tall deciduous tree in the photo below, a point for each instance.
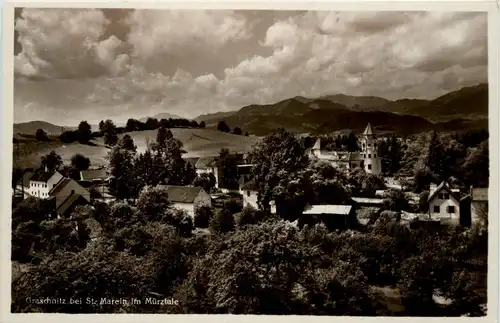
(227, 165)
(84, 132)
(80, 162)
(123, 183)
(222, 126)
(127, 143)
(52, 161)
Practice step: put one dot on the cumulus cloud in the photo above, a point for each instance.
(197, 62)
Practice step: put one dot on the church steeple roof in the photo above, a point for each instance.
(317, 144)
(368, 130)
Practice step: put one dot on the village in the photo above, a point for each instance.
(446, 204)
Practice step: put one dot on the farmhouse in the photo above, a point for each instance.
(42, 182)
(208, 165)
(248, 190)
(66, 195)
(333, 216)
(444, 204)
(187, 197)
(93, 176)
(367, 158)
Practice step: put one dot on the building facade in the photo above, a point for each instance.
(42, 182)
(367, 158)
(444, 204)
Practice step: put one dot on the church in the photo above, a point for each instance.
(367, 158)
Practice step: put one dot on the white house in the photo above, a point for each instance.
(187, 198)
(367, 158)
(250, 195)
(42, 182)
(208, 165)
(444, 203)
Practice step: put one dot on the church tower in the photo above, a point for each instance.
(372, 162)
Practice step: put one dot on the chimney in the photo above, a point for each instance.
(46, 169)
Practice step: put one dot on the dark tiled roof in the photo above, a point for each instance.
(25, 180)
(42, 176)
(89, 175)
(182, 194)
(66, 188)
(479, 194)
(69, 202)
(205, 162)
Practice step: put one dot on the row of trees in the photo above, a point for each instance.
(223, 127)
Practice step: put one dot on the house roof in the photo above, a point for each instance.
(25, 180)
(191, 160)
(368, 130)
(42, 176)
(66, 188)
(205, 162)
(69, 202)
(368, 200)
(182, 194)
(444, 185)
(329, 209)
(89, 175)
(479, 194)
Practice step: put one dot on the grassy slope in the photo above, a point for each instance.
(197, 142)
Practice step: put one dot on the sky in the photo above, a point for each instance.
(93, 64)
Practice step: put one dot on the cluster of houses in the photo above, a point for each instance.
(446, 204)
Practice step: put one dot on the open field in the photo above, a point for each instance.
(197, 142)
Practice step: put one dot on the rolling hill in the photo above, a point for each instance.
(197, 142)
(32, 126)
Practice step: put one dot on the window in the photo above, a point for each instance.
(441, 196)
(451, 209)
(369, 145)
(369, 166)
(375, 145)
(436, 208)
(364, 155)
(446, 196)
(369, 155)
(374, 155)
(248, 193)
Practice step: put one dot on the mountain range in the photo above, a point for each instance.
(465, 108)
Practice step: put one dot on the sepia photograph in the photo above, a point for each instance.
(264, 162)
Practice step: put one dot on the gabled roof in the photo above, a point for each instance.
(94, 174)
(368, 130)
(69, 202)
(329, 209)
(444, 185)
(479, 194)
(182, 194)
(65, 188)
(25, 180)
(42, 176)
(205, 162)
(191, 160)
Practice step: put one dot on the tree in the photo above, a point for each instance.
(161, 137)
(237, 131)
(153, 203)
(202, 216)
(222, 126)
(194, 124)
(206, 181)
(152, 123)
(395, 200)
(101, 126)
(132, 125)
(122, 184)
(127, 143)
(222, 222)
(278, 160)
(51, 161)
(227, 165)
(110, 139)
(351, 142)
(202, 124)
(41, 135)
(246, 134)
(109, 130)
(84, 132)
(423, 203)
(80, 162)
(476, 168)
